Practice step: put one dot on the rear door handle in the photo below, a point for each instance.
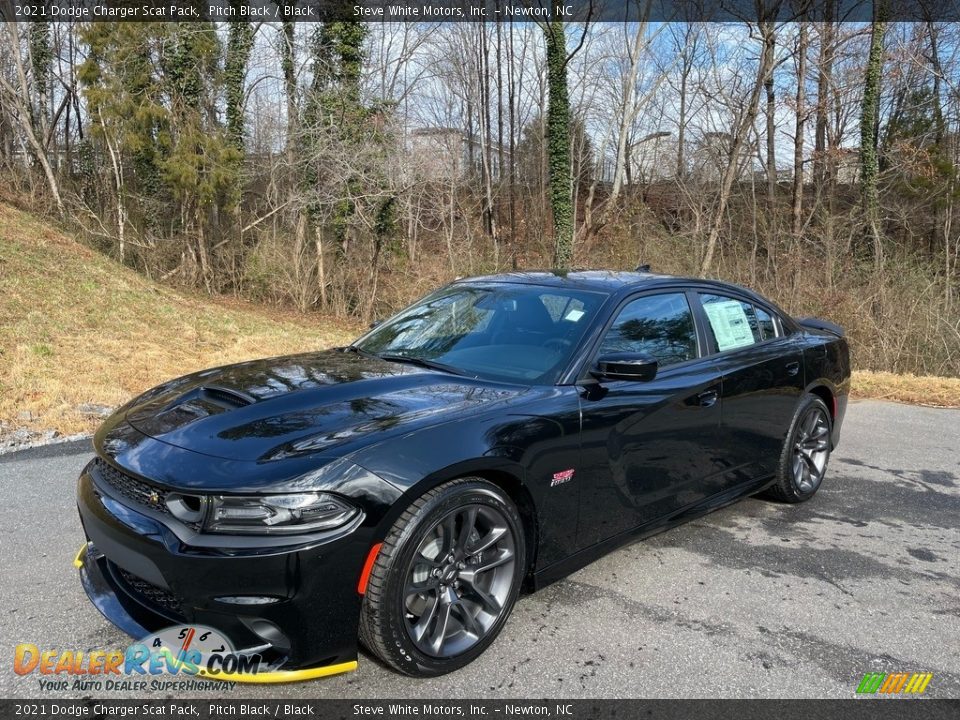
(793, 368)
(708, 398)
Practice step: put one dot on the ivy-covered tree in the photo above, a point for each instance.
(152, 90)
(123, 95)
(201, 167)
(869, 123)
(41, 64)
(239, 46)
(349, 197)
(558, 144)
(334, 119)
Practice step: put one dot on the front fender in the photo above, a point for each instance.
(521, 452)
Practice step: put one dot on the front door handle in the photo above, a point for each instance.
(793, 368)
(708, 398)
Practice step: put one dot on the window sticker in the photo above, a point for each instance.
(730, 324)
(574, 315)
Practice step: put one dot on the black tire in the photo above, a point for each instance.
(797, 451)
(389, 619)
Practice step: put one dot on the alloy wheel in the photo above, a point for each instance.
(459, 580)
(811, 450)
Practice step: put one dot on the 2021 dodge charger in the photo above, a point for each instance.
(499, 433)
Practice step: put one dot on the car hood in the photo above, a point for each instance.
(331, 402)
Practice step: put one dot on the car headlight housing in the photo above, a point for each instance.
(277, 514)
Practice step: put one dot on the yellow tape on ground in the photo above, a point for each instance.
(277, 676)
(283, 676)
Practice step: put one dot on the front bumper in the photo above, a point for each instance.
(143, 577)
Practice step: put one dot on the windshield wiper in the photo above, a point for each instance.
(357, 350)
(421, 362)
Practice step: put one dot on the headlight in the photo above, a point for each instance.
(277, 514)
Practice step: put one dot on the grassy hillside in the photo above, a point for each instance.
(77, 331)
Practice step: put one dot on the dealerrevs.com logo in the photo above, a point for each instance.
(894, 683)
(182, 657)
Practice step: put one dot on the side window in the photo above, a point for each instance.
(768, 328)
(733, 323)
(658, 325)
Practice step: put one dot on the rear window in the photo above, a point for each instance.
(733, 323)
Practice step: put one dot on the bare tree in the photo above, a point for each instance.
(16, 97)
(739, 135)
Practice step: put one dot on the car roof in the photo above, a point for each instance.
(616, 282)
(605, 280)
(608, 281)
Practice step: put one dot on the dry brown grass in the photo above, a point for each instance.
(76, 328)
(913, 389)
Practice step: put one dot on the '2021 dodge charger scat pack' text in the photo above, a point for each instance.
(500, 433)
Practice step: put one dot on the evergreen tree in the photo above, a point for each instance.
(151, 89)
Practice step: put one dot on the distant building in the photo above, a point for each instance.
(848, 166)
(451, 153)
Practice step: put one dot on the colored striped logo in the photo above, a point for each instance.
(892, 683)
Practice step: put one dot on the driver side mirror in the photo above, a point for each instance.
(638, 367)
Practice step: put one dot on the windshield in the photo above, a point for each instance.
(500, 331)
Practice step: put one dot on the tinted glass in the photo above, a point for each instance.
(733, 323)
(500, 331)
(767, 327)
(658, 325)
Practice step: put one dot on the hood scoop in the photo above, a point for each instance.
(229, 399)
(200, 402)
(213, 399)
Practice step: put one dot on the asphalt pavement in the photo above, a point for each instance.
(756, 600)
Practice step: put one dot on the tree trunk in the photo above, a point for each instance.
(682, 126)
(239, 45)
(628, 114)
(796, 208)
(824, 82)
(321, 271)
(558, 144)
(116, 163)
(769, 49)
(287, 61)
(869, 121)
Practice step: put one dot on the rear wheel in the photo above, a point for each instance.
(445, 579)
(806, 451)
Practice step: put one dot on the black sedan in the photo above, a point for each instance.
(499, 433)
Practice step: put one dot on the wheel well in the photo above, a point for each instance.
(524, 501)
(823, 392)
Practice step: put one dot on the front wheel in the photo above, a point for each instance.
(445, 579)
(806, 451)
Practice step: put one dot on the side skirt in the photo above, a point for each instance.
(559, 570)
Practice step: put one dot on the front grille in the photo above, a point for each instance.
(153, 595)
(140, 492)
